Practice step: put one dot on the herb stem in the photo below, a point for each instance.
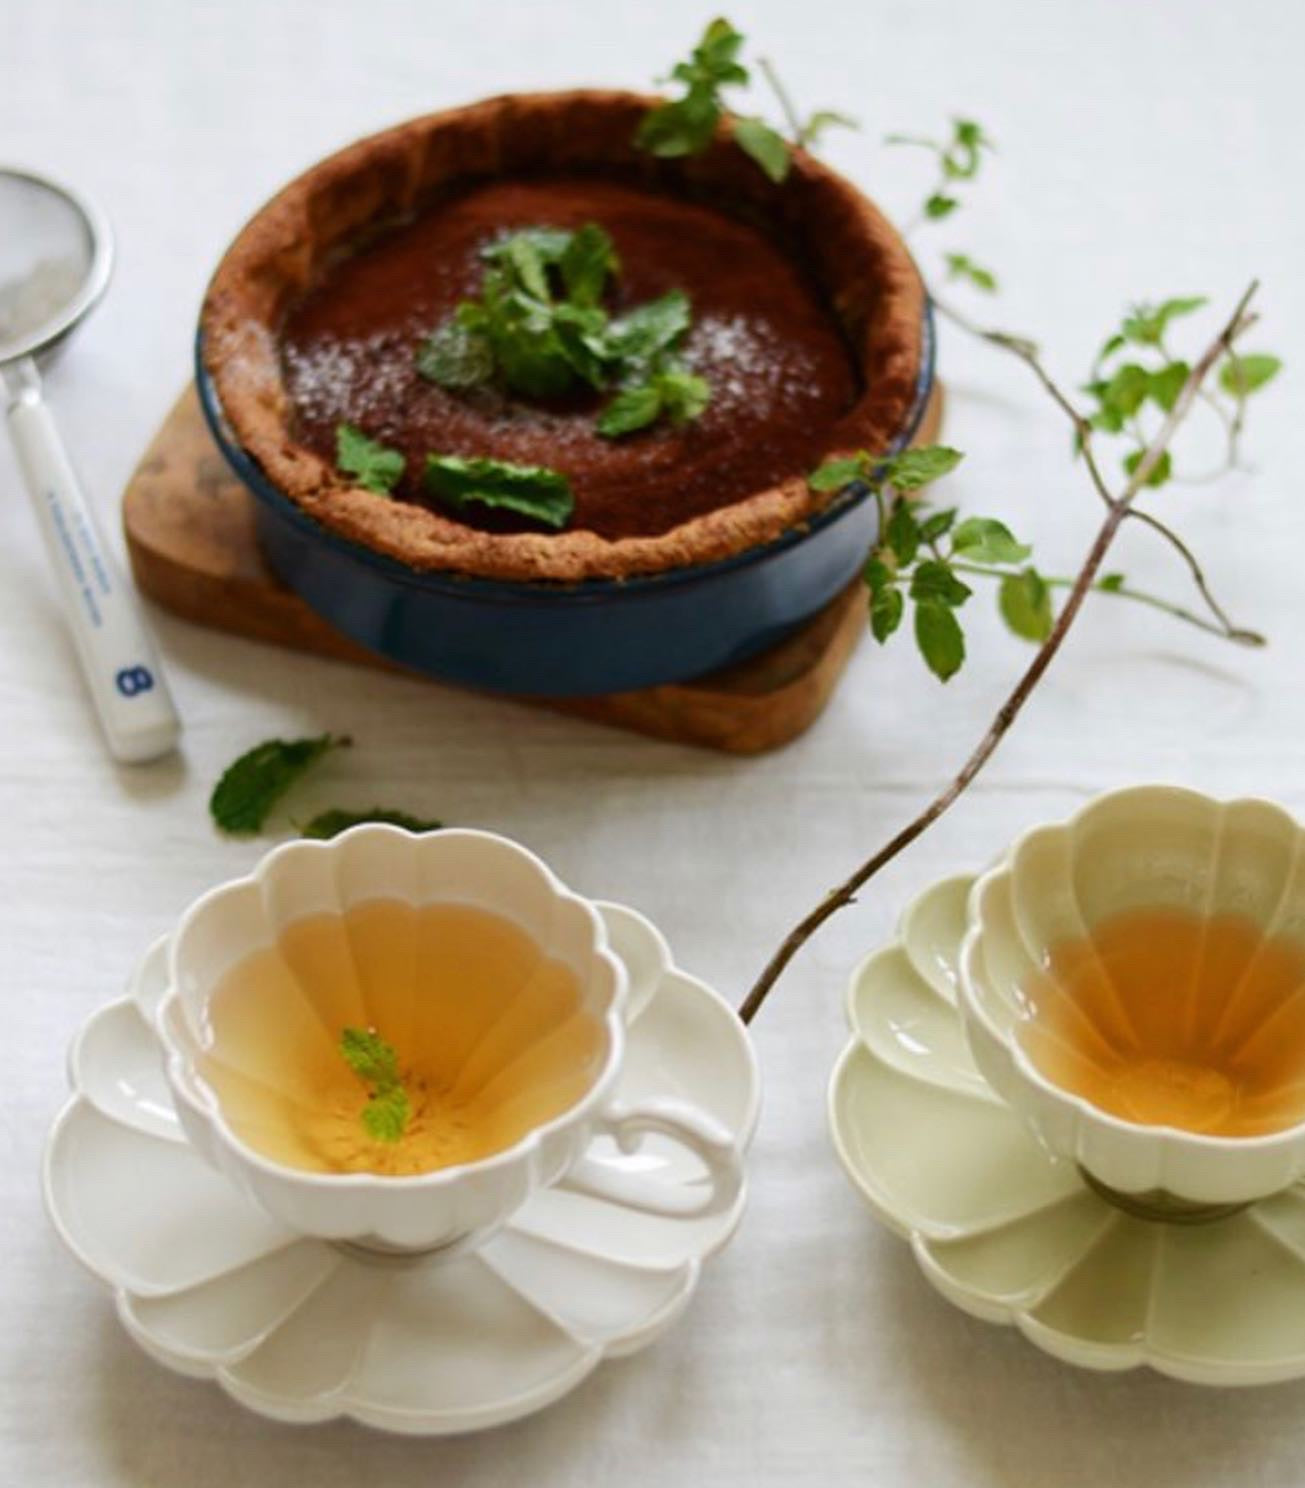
(1027, 352)
(1117, 510)
(1225, 630)
(792, 119)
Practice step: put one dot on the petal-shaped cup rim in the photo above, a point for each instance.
(180, 1066)
(974, 1009)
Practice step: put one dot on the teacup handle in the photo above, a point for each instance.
(677, 1119)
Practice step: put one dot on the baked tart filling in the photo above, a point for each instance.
(801, 336)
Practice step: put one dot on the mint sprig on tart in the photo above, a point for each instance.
(539, 330)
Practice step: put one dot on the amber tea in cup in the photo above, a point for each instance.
(495, 1043)
(1164, 1017)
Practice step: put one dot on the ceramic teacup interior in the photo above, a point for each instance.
(1151, 960)
(492, 1037)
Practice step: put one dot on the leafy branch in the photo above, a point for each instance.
(686, 125)
(1118, 508)
(1142, 394)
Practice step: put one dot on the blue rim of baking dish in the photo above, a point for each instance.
(580, 591)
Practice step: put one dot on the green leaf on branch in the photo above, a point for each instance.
(914, 468)
(960, 158)
(1240, 376)
(821, 121)
(1146, 324)
(1110, 583)
(939, 636)
(938, 205)
(1161, 471)
(886, 607)
(1167, 383)
(962, 266)
(842, 470)
(1024, 600)
(937, 525)
(765, 145)
(903, 533)
(685, 125)
(933, 580)
(985, 540)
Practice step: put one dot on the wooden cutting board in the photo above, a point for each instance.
(189, 525)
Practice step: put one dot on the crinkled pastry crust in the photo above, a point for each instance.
(857, 259)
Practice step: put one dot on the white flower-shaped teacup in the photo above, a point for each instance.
(1176, 852)
(497, 1046)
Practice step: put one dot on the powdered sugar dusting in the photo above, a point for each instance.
(334, 380)
(747, 363)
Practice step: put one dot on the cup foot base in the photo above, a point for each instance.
(1158, 1207)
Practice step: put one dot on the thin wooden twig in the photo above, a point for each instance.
(1117, 510)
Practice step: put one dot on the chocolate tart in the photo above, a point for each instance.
(809, 321)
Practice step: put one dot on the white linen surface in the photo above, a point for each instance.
(1145, 150)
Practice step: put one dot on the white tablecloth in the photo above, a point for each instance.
(1144, 150)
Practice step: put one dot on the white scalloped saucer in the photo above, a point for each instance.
(1012, 1234)
(301, 1331)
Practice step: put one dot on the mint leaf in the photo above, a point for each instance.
(586, 263)
(933, 580)
(769, 149)
(985, 540)
(685, 395)
(903, 533)
(914, 468)
(684, 126)
(653, 327)
(532, 490)
(937, 525)
(1242, 375)
(376, 1063)
(524, 255)
(962, 266)
(386, 1114)
(834, 474)
(456, 357)
(1024, 601)
(670, 392)
(886, 606)
(960, 159)
(375, 467)
(633, 408)
(1167, 383)
(251, 785)
(330, 823)
(581, 333)
(1146, 324)
(1159, 475)
(369, 1056)
(1125, 391)
(715, 58)
(940, 639)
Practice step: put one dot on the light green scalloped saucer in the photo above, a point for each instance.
(1013, 1235)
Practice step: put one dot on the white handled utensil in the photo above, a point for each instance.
(55, 256)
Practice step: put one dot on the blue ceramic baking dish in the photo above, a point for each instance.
(577, 640)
